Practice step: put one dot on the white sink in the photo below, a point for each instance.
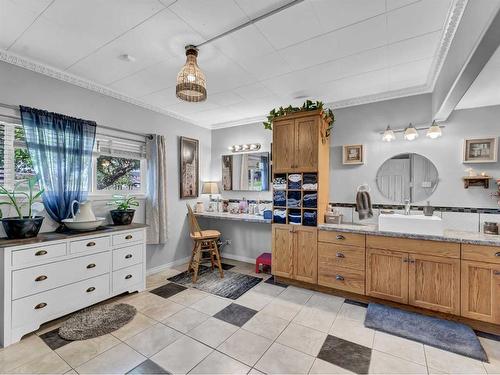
(414, 224)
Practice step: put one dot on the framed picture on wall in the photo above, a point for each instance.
(189, 167)
(353, 154)
(480, 150)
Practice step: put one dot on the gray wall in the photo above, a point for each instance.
(20, 86)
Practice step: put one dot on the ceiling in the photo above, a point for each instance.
(342, 52)
(484, 90)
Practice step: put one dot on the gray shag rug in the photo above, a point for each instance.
(232, 286)
(439, 333)
(96, 321)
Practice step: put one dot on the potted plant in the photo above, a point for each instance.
(123, 214)
(21, 226)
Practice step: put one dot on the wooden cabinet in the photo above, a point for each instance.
(306, 144)
(283, 146)
(480, 296)
(295, 254)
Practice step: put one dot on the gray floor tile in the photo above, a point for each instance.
(346, 354)
(235, 314)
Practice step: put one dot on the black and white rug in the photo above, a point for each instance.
(232, 286)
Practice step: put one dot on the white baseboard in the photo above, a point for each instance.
(177, 262)
(238, 257)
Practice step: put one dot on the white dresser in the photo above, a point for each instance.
(54, 274)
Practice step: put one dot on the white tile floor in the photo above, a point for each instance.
(285, 332)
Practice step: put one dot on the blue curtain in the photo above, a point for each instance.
(60, 148)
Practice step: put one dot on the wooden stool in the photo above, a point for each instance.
(204, 240)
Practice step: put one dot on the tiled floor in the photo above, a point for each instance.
(271, 329)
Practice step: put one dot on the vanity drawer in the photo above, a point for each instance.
(38, 255)
(342, 238)
(127, 237)
(126, 278)
(38, 279)
(54, 303)
(342, 278)
(424, 247)
(91, 244)
(127, 256)
(330, 255)
(481, 253)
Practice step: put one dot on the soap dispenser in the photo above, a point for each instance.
(428, 210)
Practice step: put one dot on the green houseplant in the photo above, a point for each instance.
(123, 214)
(21, 226)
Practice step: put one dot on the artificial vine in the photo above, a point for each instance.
(309, 105)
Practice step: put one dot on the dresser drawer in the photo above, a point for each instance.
(54, 303)
(342, 238)
(127, 256)
(342, 278)
(423, 247)
(331, 255)
(128, 237)
(91, 244)
(38, 279)
(479, 253)
(38, 255)
(126, 278)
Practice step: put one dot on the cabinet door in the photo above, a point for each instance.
(481, 291)
(306, 141)
(387, 275)
(283, 146)
(282, 254)
(434, 283)
(306, 254)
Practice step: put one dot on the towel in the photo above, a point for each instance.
(364, 205)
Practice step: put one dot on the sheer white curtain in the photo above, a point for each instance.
(156, 203)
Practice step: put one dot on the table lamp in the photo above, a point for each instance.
(211, 187)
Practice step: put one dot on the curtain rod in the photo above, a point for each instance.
(16, 108)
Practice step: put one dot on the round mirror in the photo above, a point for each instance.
(407, 176)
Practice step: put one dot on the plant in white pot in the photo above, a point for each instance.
(21, 226)
(123, 214)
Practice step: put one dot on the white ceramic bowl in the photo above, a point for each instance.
(84, 226)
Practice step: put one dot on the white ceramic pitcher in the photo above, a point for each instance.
(85, 212)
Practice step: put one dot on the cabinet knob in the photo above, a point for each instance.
(339, 277)
(41, 278)
(91, 265)
(411, 261)
(91, 289)
(128, 237)
(405, 260)
(340, 237)
(90, 244)
(128, 256)
(497, 254)
(40, 306)
(128, 277)
(40, 252)
(340, 255)
(496, 273)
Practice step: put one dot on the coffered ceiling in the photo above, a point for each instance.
(342, 52)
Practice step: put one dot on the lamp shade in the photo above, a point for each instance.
(389, 135)
(434, 131)
(191, 83)
(410, 133)
(210, 187)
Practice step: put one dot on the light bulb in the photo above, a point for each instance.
(389, 135)
(191, 78)
(410, 133)
(434, 131)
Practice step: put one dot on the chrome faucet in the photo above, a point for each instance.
(407, 206)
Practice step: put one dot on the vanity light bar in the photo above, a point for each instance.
(245, 147)
(433, 132)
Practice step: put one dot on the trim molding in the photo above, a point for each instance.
(237, 257)
(165, 266)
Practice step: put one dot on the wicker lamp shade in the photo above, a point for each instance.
(191, 84)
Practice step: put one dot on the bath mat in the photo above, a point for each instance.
(232, 286)
(96, 321)
(439, 333)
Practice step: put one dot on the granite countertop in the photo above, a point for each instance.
(474, 238)
(54, 236)
(237, 217)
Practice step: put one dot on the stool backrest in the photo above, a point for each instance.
(194, 227)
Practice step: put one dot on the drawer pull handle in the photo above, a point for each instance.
(405, 260)
(340, 237)
(91, 289)
(41, 278)
(40, 306)
(90, 244)
(339, 277)
(496, 273)
(128, 256)
(340, 255)
(128, 277)
(129, 237)
(40, 252)
(497, 254)
(91, 265)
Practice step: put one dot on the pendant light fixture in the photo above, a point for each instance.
(191, 84)
(389, 135)
(410, 133)
(434, 131)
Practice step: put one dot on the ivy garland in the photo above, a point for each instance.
(309, 105)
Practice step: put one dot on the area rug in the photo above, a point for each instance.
(232, 286)
(439, 333)
(96, 321)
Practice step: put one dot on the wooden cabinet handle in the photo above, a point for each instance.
(496, 273)
(128, 277)
(128, 256)
(129, 237)
(41, 278)
(91, 265)
(91, 289)
(411, 261)
(405, 260)
(340, 255)
(90, 244)
(40, 252)
(340, 237)
(339, 277)
(40, 306)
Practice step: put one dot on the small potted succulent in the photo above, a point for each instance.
(21, 226)
(123, 214)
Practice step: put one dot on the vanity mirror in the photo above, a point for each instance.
(407, 176)
(246, 172)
